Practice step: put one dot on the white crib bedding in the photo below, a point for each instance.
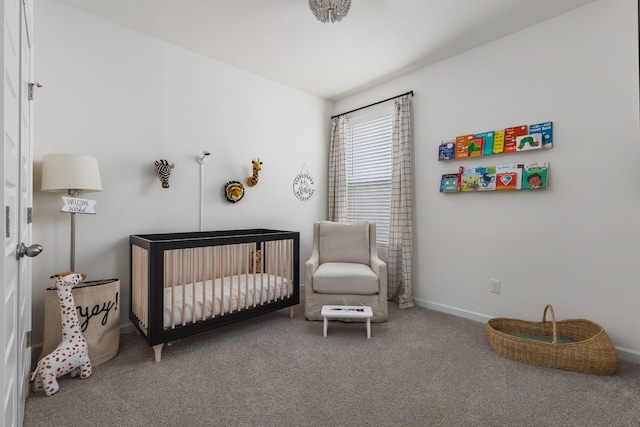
(237, 292)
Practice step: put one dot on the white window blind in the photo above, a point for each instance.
(369, 158)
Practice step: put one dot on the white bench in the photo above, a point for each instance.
(345, 312)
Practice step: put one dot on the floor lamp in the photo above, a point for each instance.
(71, 174)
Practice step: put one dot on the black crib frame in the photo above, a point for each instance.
(156, 244)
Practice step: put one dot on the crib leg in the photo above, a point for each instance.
(157, 350)
(291, 312)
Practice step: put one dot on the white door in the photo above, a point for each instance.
(15, 301)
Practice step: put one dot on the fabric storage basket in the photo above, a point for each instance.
(98, 307)
(547, 343)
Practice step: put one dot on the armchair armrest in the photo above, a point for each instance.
(310, 267)
(380, 268)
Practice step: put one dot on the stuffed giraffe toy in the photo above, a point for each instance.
(72, 354)
(252, 181)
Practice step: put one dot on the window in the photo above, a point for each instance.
(369, 159)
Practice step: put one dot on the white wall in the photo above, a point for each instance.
(574, 245)
(129, 100)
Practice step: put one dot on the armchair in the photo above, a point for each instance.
(344, 269)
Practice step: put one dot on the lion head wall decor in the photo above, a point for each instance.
(233, 191)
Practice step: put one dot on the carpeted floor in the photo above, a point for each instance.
(421, 368)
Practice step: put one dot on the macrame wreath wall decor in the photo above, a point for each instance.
(233, 191)
(303, 185)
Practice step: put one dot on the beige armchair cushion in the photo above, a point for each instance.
(345, 278)
(342, 242)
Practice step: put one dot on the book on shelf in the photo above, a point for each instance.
(498, 141)
(532, 141)
(546, 129)
(460, 172)
(449, 183)
(447, 149)
(508, 177)
(487, 142)
(462, 142)
(470, 180)
(468, 146)
(486, 178)
(474, 148)
(534, 175)
(510, 135)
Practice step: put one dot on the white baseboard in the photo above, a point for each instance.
(471, 315)
(626, 354)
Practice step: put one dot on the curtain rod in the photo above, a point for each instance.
(371, 105)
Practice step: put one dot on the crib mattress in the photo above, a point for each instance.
(232, 293)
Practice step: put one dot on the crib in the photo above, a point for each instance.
(185, 283)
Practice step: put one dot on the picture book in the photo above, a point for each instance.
(534, 176)
(447, 150)
(510, 135)
(470, 180)
(508, 177)
(532, 141)
(487, 143)
(546, 129)
(462, 146)
(449, 183)
(460, 172)
(474, 148)
(468, 146)
(486, 178)
(498, 141)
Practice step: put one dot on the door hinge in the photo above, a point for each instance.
(31, 86)
(28, 338)
(8, 224)
(29, 215)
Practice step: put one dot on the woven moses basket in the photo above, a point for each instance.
(541, 343)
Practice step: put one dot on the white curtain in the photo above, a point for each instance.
(338, 169)
(400, 229)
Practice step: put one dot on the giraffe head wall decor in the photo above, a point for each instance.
(163, 169)
(253, 179)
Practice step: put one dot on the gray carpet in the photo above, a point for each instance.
(421, 368)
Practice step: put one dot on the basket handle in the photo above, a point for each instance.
(553, 322)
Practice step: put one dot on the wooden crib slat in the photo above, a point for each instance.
(140, 284)
(205, 271)
(247, 256)
(194, 283)
(279, 267)
(214, 252)
(255, 268)
(290, 263)
(222, 275)
(183, 271)
(238, 276)
(232, 270)
(174, 282)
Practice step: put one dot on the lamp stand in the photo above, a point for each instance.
(72, 254)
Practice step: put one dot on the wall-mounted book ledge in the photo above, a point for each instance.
(527, 176)
(509, 140)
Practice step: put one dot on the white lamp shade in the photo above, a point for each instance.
(64, 172)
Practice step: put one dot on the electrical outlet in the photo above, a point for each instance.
(495, 286)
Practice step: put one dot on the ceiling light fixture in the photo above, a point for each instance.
(330, 10)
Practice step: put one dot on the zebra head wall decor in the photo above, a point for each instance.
(163, 169)
(252, 181)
